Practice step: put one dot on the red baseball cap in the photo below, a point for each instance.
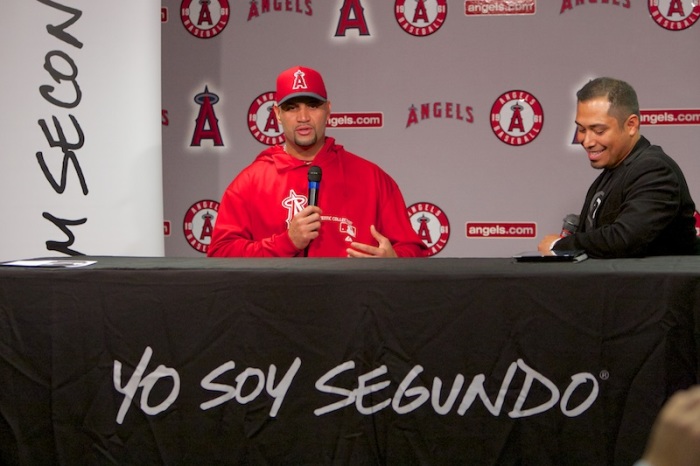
(300, 81)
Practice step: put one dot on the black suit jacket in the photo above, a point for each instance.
(647, 209)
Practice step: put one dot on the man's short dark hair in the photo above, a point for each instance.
(622, 96)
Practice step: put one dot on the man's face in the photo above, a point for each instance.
(304, 122)
(601, 135)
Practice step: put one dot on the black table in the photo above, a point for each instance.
(340, 361)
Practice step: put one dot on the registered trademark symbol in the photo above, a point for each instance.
(604, 375)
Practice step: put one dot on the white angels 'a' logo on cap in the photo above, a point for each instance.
(299, 80)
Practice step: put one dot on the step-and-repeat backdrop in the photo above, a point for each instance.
(468, 104)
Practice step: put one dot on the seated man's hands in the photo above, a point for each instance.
(305, 226)
(547, 242)
(383, 249)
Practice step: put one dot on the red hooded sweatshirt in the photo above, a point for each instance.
(353, 194)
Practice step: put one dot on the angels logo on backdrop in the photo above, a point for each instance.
(267, 6)
(352, 16)
(204, 19)
(516, 118)
(262, 121)
(431, 224)
(567, 5)
(450, 110)
(674, 15)
(206, 125)
(420, 17)
(198, 224)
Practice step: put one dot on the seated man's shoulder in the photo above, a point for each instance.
(360, 163)
(655, 158)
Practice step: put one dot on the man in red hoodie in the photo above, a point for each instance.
(265, 210)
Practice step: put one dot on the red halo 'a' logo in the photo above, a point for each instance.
(262, 120)
(674, 15)
(198, 224)
(203, 19)
(431, 224)
(516, 117)
(420, 17)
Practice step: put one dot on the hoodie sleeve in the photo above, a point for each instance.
(395, 223)
(233, 235)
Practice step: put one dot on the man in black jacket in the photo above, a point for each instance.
(640, 204)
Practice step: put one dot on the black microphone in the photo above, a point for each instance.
(570, 225)
(314, 183)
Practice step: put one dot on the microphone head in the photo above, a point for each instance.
(315, 173)
(570, 225)
(571, 219)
